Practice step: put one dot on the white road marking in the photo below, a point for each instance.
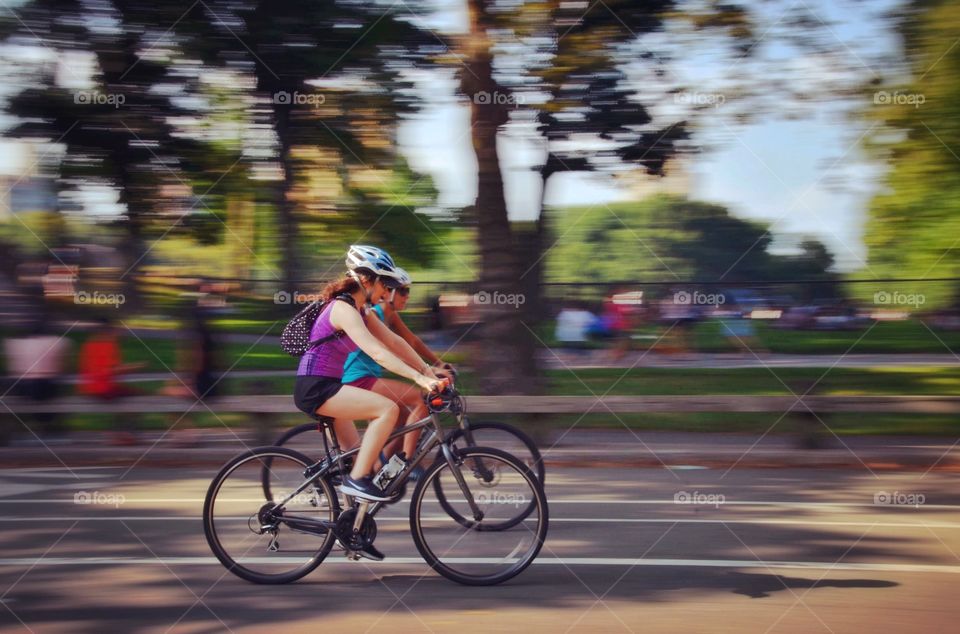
(543, 561)
(652, 502)
(574, 520)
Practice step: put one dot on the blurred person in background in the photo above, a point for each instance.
(197, 375)
(36, 362)
(740, 331)
(617, 321)
(679, 315)
(574, 322)
(101, 367)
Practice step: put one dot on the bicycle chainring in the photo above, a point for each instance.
(344, 530)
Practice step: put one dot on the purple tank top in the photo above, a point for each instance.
(326, 359)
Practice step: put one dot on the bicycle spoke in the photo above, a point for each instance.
(254, 536)
(493, 548)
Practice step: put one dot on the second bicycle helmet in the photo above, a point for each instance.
(403, 277)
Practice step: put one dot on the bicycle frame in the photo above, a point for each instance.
(436, 438)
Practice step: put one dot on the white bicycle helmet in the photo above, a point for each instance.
(374, 260)
(403, 277)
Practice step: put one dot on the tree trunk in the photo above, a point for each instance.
(287, 240)
(507, 364)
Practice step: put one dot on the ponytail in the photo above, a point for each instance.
(346, 284)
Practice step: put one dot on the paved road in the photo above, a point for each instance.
(779, 550)
(560, 448)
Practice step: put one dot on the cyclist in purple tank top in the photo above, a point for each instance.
(371, 277)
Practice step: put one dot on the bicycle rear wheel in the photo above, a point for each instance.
(261, 538)
(487, 547)
(507, 438)
(306, 439)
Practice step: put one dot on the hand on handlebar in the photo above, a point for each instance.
(431, 384)
(445, 370)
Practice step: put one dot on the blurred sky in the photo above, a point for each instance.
(776, 169)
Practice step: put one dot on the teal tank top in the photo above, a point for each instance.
(359, 364)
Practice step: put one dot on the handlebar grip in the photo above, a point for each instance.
(436, 400)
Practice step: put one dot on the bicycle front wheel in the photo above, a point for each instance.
(270, 539)
(479, 544)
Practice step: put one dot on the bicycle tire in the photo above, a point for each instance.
(535, 453)
(209, 522)
(539, 469)
(416, 527)
(281, 442)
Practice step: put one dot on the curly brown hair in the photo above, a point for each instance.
(345, 284)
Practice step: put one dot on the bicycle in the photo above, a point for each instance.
(459, 508)
(307, 438)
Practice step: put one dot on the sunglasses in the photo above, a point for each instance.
(404, 291)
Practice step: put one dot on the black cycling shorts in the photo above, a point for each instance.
(310, 392)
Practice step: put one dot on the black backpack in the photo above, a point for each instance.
(295, 338)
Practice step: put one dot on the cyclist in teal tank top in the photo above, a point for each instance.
(360, 370)
(359, 364)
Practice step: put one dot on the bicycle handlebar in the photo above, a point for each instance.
(441, 398)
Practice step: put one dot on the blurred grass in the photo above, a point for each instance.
(891, 337)
(752, 423)
(879, 381)
(159, 351)
(160, 354)
(648, 381)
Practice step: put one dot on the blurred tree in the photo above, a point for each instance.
(562, 62)
(113, 121)
(913, 230)
(331, 81)
(668, 237)
(173, 114)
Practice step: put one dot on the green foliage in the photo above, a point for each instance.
(664, 238)
(913, 228)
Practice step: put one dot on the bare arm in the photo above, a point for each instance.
(396, 325)
(348, 319)
(396, 344)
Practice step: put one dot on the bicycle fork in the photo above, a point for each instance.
(462, 483)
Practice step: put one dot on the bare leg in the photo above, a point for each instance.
(407, 395)
(353, 403)
(347, 434)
